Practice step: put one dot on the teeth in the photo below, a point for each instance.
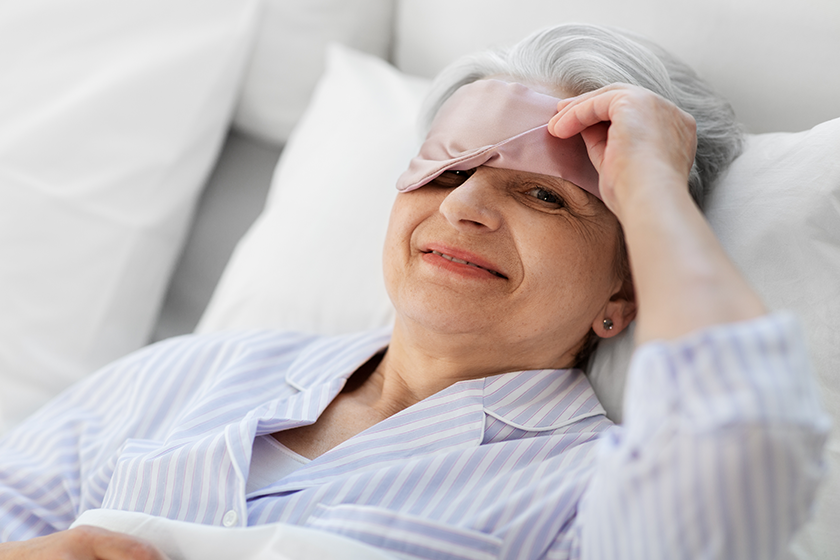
(453, 259)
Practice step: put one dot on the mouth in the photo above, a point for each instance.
(468, 263)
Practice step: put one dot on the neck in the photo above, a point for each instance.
(420, 363)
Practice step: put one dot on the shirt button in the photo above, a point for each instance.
(230, 519)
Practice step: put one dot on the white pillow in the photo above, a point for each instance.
(288, 57)
(777, 213)
(311, 262)
(111, 114)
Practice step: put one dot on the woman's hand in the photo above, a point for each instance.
(643, 147)
(81, 543)
(636, 139)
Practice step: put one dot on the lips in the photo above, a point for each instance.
(465, 259)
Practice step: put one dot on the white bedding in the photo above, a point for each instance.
(189, 541)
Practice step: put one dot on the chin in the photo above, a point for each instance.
(452, 322)
(446, 315)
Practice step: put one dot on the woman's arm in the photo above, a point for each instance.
(60, 461)
(56, 462)
(643, 148)
(720, 452)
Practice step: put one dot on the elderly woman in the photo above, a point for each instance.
(550, 173)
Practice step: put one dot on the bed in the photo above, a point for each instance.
(162, 169)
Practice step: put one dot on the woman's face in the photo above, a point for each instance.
(541, 256)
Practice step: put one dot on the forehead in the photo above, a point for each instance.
(499, 124)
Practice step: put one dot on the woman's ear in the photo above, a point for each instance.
(617, 314)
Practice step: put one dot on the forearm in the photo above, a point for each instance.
(683, 278)
(59, 461)
(720, 453)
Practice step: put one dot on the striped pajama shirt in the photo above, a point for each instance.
(719, 455)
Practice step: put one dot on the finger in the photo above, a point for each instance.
(562, 104)
(583, 112)
(595, 139)
(609, 93)
(565, 101)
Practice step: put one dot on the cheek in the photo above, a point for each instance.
(407, 213)
(392, 258)
(573, 272)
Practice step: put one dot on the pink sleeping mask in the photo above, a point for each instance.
(499, 124)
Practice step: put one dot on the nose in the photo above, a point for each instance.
(472, 206)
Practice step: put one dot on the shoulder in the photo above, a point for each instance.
(176, 375)
(240, 351)
(200, 355)
(179, 366)
(225, 348)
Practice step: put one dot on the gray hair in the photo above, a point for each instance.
(578, 58)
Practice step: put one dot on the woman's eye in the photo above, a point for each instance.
(546, 196)
(452, 178)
